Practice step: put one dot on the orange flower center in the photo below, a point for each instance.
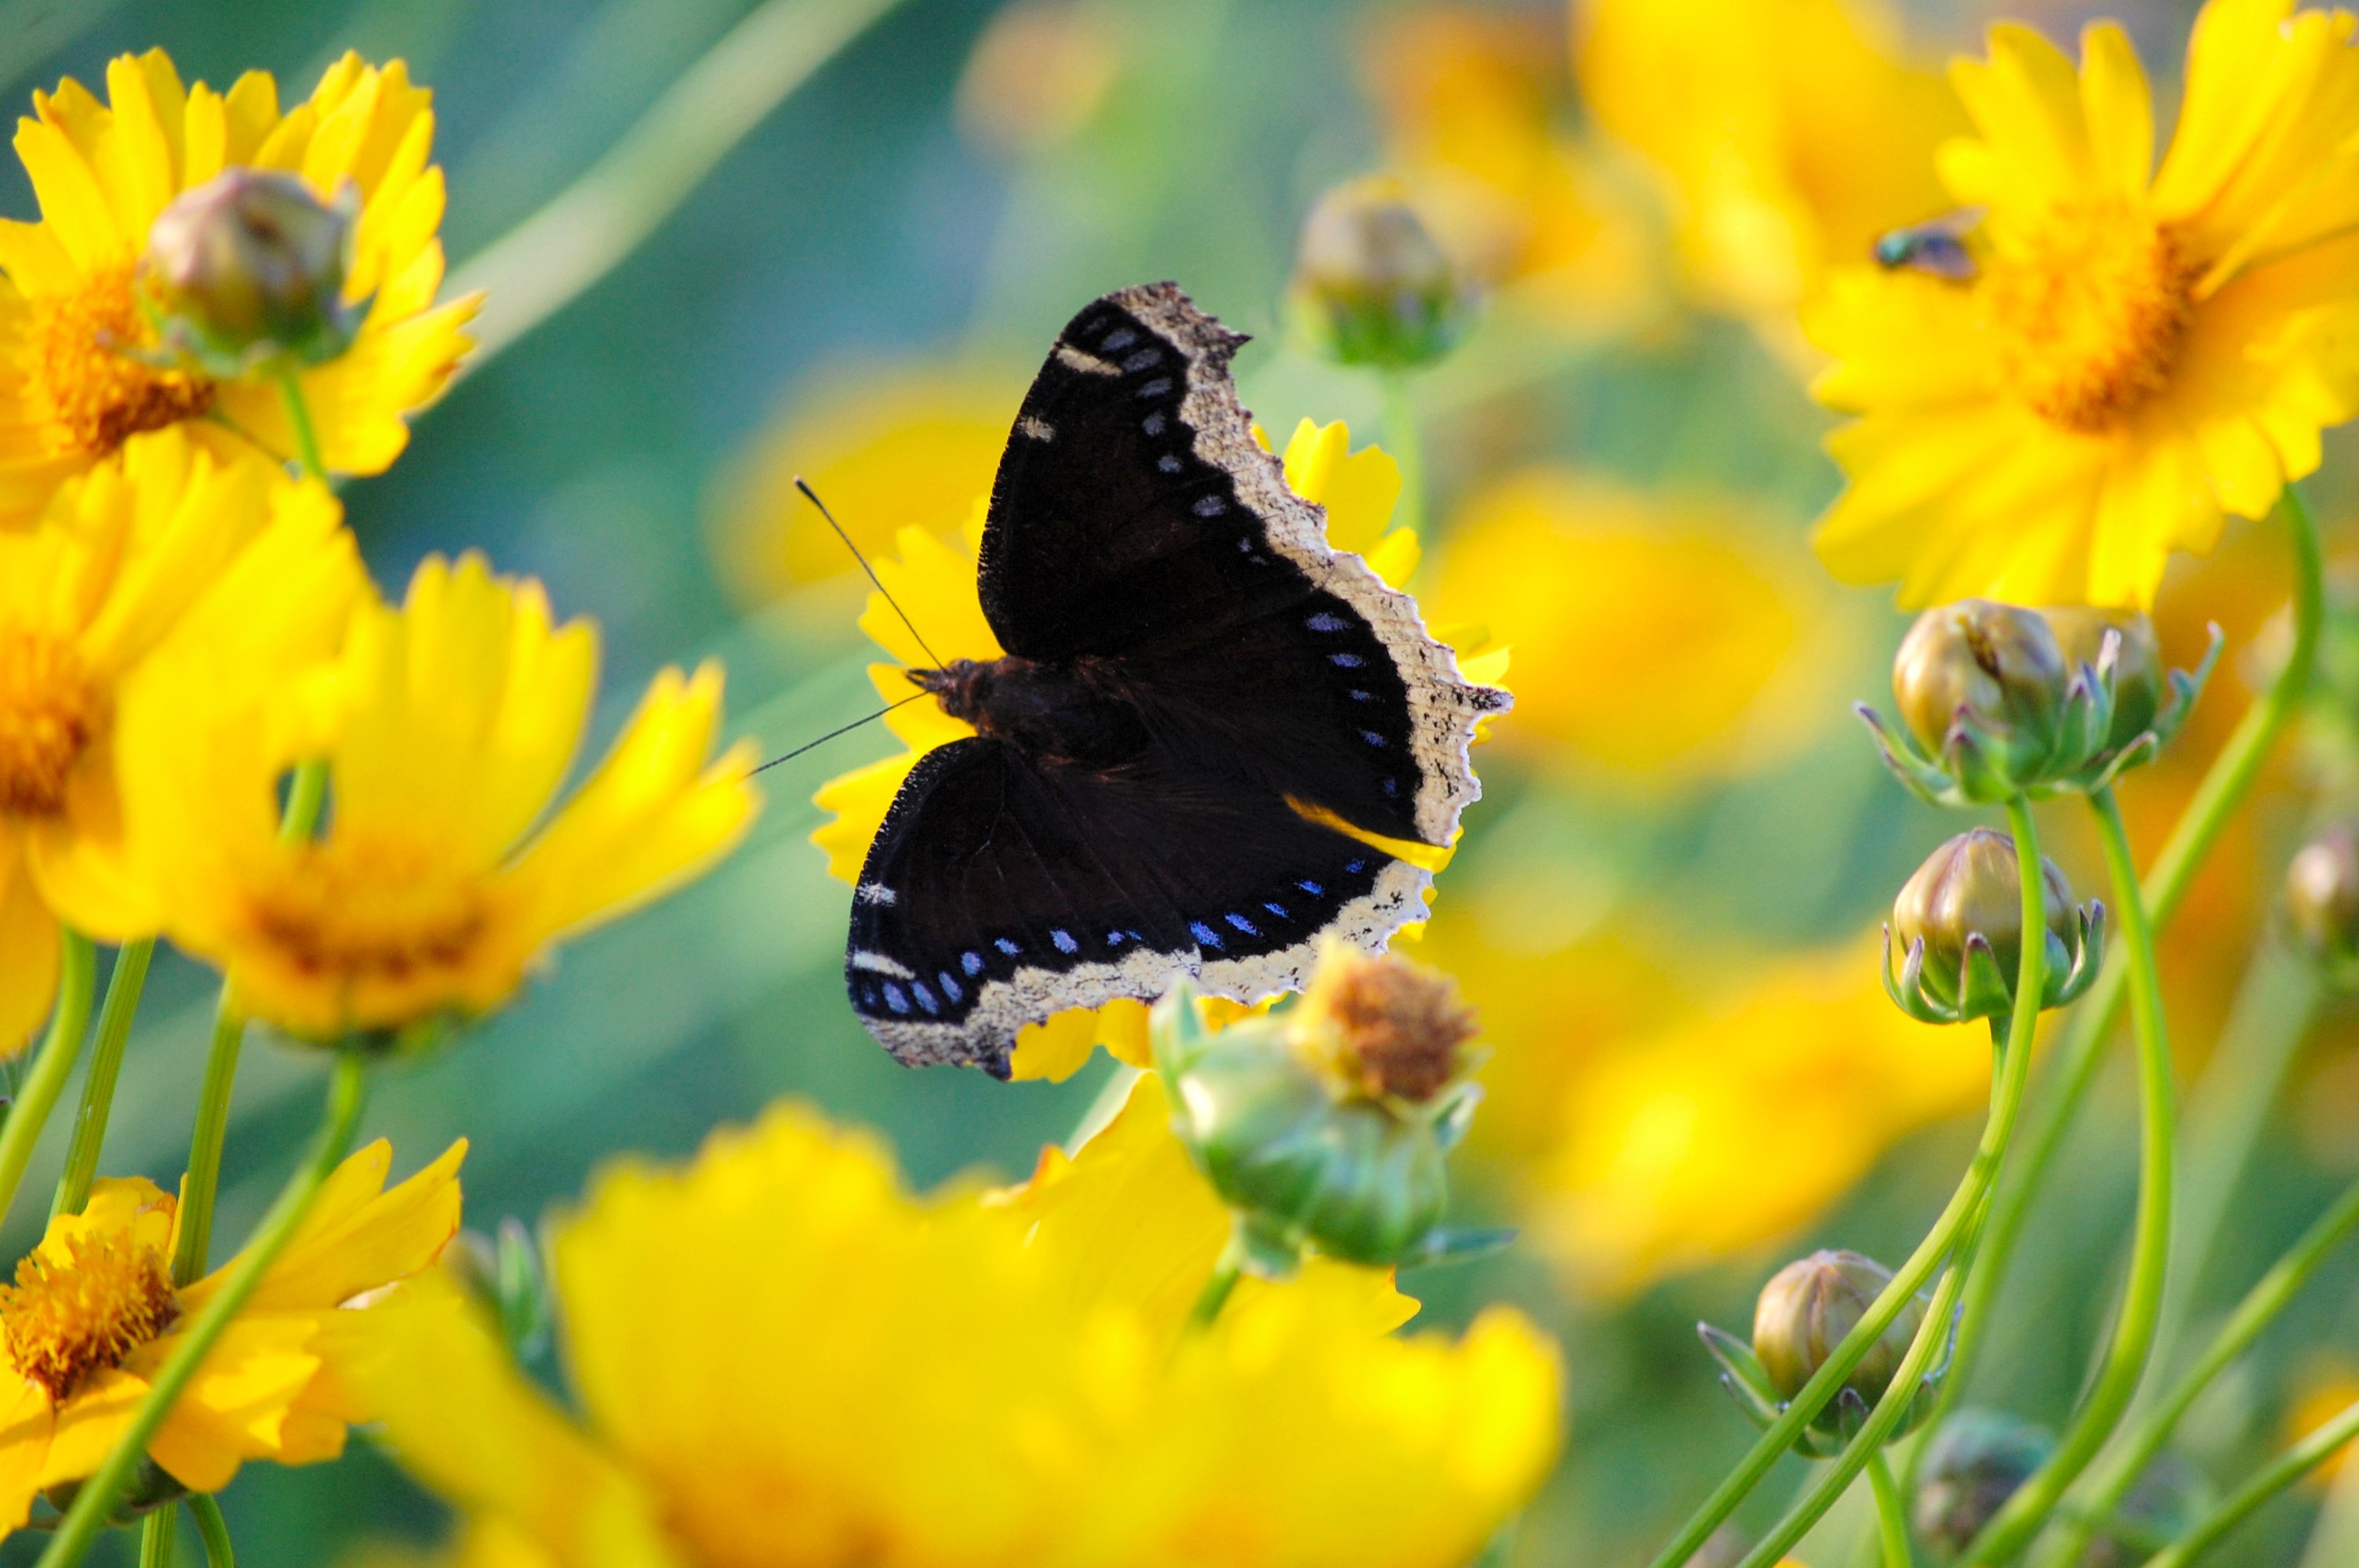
(363, 911)
(65, 1320)
(91, 395)
(2091, 313)
(47, 715)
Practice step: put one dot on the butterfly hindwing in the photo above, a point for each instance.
(998, 893)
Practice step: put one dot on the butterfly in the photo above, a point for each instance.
(1198, 697)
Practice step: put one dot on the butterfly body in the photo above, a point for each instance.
(1203, 717)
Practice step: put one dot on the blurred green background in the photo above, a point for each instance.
(860, 224)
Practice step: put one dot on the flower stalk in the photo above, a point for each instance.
(114, 1016)
(347, 1091)
(2223, 789)
(52, 1064)
(2133, 1330)
(1948, 1233)
(2273, 1478)
(1891, 1512)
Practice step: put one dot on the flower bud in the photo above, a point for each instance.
(1959, 922)
(1807, 1309)
(1372, 286)
(1328, 1127)
(250, 266)
(2322, 896)
(1990, 675)
(1973, 1464)
(1998, 701)
(2141, 684)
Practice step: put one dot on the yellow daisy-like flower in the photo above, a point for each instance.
(933, 579)
(70, 395)
(1655, 640)
(1784, 135)
(1474, 103)
(93, 1314)
(2139, 352)
(845, 1373)
(110, 578)
(443, 873)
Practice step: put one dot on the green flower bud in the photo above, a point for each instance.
(1328, 1127)
(1998, 701)
(1372, 286)
(2322, 897)
(1973, 1464)
(2141, 684)
(1959, 924)
(248, 267)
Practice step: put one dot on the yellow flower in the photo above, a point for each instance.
(104, 171)
(1473, 103)
(1785, 135)
(119, 562)
(1734, 1125)
(2141, 352)
(888, 448)
(442, 875)
(782, 1358)
(93, 1314)
(1653, 639)
(933, 579)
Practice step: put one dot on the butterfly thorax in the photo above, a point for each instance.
(1077, 712)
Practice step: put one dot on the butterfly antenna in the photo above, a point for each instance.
(812, 496)
(842, 729)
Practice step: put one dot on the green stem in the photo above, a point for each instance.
(158, 1535)
(1964, 1207)
(2223, 789)
(299, 414)
(307, 794)
(98, 1496)
(542, 264)
(2259, 1308)
(1218, 1289)
(1401, 436)
(199, 1187)
(52, 1064)
(2288, 1467)
(1891, 1513)
(123, 988)
(213, 1530)
(2125, 1357)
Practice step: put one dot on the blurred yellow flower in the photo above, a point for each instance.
(118, 561)
(1785, 135)
(2141, 352)
(933, 579)
(2327, 1386)
(1038, 74)
(92, 1314)
(848, 1373)
(1653, 639)
(1736, 1124)
(103, 172)
(446, 727)
(888, 448)
(1473, 103)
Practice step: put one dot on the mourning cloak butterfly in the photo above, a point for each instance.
(1191, 672)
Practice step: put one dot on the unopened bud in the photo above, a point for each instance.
(2141, 682)
(1811, 1304)
(2322, 896)
(1973, 1464)
(1958, 924)
(1327, 1128)
(1990, 672)
(250, 266)
(1372, 286)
